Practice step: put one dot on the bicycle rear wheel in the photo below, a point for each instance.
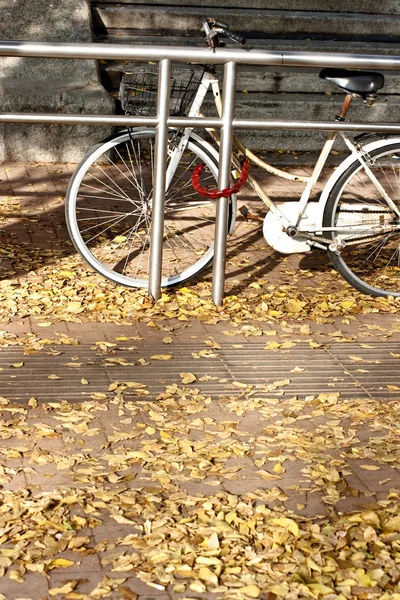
(370, 229)
(109, 206)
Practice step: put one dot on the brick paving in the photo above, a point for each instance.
(32, 199)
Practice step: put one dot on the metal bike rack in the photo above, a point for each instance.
(165, 55)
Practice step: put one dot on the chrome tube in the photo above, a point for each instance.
(316, 125)
(224, 177)
(160, 166)
(196, 55)
(200, 122)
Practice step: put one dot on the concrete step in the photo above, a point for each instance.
(310, 107)
(261, 79)
(170, 19)
(357, 6)
(195, 39)
(51, 142)
(314, 25)
(44, 69)
(313, 106)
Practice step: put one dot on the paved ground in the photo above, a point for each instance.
(101, 417)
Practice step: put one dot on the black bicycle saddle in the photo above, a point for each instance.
(357, 82)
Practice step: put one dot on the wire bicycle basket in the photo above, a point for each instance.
(138, 91)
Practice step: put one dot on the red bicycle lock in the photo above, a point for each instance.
(226, 192)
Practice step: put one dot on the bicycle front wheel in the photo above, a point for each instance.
(361, 217)
(109, 210)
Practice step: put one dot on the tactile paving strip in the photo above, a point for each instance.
(348, 368)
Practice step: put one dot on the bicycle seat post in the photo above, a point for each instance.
(345, 107)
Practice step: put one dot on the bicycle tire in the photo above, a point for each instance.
(108, 211)
(370, 262)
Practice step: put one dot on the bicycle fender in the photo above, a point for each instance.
(342, 168)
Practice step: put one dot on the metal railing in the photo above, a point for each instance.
(165, 55)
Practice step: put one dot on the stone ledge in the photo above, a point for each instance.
(362, 6)
(281, 22)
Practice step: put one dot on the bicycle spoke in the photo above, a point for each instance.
(114, 196)
(117, 237)
(370, 259)
(124, 194)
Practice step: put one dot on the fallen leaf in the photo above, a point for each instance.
(187, 378)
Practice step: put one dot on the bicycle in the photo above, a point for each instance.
(356, 219)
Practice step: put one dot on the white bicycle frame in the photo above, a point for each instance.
(312, 235)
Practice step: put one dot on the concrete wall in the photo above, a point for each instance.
(48, 85)
(360, 26)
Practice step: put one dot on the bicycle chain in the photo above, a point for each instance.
(366, 212)
(360, 211)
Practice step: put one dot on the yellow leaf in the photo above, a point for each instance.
(295, 306)
(119, 239)
(188, 377)
(370, 467)
(239, 384)
(356, 358)
(62, 563)
(392, 524)
(198, 586)
(207, 560)
(281, 383)
(252, 591)
(74, 307)
(314, 344)
(161, 356)
(65, 589)
(32, 402)
(17, 365)
(288, 524)
(98, 396)
(53, 376)
(280, 589)
(118, 361)
(278, 468)
(320, 588)
(287, 345)
(267, 476)
(208, 576)
(135, 385)
(84, 381)
(347, 303)
(272, 346)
